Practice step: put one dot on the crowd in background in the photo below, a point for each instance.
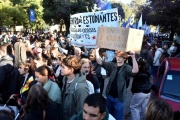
(50, 79)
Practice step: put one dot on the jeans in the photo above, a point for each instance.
(115, 107)
(154, 71)
(138, 105)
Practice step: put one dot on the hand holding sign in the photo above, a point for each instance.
(117, 38)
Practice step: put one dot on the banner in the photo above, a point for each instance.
(19, 28)
(32, 15)
(84, 26)
(119, 38)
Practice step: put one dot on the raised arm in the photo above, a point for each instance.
(135, 65)
(98, 58)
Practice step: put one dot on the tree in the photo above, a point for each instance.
(166, 14)
(16, 12)
(120, 9)
(12, 16)
(136, 4)
(56, 10)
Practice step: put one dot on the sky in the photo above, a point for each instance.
(124, 1)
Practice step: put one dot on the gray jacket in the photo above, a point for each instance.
(53, 90)
(124, 74)
(73, 97)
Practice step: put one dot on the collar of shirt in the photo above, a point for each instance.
(70, 81)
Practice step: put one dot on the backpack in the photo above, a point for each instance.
(163, 56)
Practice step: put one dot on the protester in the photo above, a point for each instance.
(39, 107)
(172, 50)
(5, 58)
(119, 73)
(94, 108)
(75, 88)
(6, 115)
(157, 109)
(141, 88)
(86, 70)
(8, 75)
(157, 58)
(26, 80)
(42, 76)
(57, 73)
(96, 68)
(79, 53)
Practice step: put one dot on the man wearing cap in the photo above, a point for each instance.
(119, 74)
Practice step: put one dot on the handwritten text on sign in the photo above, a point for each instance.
(117, 38)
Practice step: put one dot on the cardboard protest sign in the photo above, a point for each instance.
(118, 38)
(84, 26)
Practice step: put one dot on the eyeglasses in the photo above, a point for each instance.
(86, 67)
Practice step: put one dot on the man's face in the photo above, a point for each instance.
(119, 59)
(92, 113)
(165, 47)
(85, 68)
(65, 71)
(77, 53)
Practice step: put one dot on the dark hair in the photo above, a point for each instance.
(143, 65)
(44, 70)
(72, 62)
(6, 115)
(9, 49)
(96, 100)
(37, 99)
(157, 109)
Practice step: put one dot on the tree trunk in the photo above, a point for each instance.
(172, 34)
(67, 23)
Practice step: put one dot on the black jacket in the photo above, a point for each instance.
(141, 83)
(9, 76)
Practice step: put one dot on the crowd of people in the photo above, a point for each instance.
(48, 78)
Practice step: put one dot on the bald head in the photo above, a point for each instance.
(77, 52)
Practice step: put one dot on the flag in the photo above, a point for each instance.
(124, 24)
(147, 30)
(157, 29)
(135, 25)
(32, 15)
(130, 22)
(151, 38)
(140, 22)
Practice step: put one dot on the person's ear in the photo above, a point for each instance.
(103, 115)
(71, 70)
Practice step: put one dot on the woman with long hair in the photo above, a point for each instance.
(39, 107)
(141, 88)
